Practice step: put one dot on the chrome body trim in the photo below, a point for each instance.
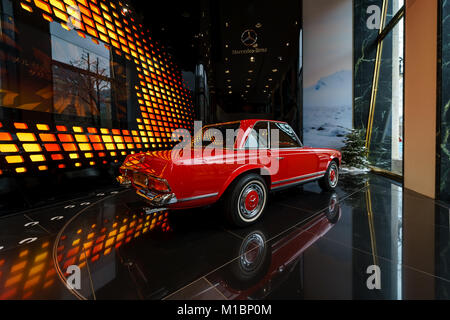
(298, 183)
(204, 196)
(322, 173)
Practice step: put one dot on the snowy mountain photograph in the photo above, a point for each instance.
(327, 73)
(327, 111)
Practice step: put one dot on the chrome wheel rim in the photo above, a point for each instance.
(252, 201)
(333, 203)
(251, 251)
(333, 176)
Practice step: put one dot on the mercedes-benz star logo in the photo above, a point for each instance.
(249, 37)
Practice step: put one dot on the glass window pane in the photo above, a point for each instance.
(394, 7)
(287, 136)
(259, 137)
(386, 143)
(221, 135)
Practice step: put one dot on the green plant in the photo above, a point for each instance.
(354, 152)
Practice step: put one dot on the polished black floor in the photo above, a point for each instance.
(309, 245)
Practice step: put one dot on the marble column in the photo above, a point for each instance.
(445, 102)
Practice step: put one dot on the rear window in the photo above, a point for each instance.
(221, 135)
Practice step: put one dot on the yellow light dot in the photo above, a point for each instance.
(8, 148)
(37, 158)
(14, 159)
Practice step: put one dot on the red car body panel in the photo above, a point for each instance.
(203, 181)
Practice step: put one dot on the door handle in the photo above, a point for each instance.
(280, 158)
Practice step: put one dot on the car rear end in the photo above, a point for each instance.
(144, 172)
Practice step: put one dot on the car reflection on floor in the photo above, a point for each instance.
(103, 245)
(261, 267)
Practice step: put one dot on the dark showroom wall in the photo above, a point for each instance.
(445, 103)
(327, 72)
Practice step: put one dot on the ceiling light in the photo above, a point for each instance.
(287, 44)
(270, 79)
(230, 92)
(227, 24)
(274, 70)
(258, 25)
(227, 71)
(250, 71)
(229, 80)
(248, 86)
(252, 59)
(226, 46)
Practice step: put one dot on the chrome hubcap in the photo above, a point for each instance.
(251, 251)
(333, 203)
(251, 201)
(333, 176)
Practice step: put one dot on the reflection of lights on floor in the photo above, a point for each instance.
(30, 270)
(94, 242)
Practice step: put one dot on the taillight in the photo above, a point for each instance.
(159, 185)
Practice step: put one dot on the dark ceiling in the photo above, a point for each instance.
(175, 24)
(252, 76)
(188, 28)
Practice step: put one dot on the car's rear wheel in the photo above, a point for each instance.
(330, 180)
(246, 200)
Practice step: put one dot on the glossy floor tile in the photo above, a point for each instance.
(308, 245)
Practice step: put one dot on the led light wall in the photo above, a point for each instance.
(159, 98)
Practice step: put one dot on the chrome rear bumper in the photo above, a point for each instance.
(155, 199)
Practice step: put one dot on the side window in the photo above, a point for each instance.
(287, 136)
(258, 137)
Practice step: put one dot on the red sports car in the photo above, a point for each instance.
(237, 162)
